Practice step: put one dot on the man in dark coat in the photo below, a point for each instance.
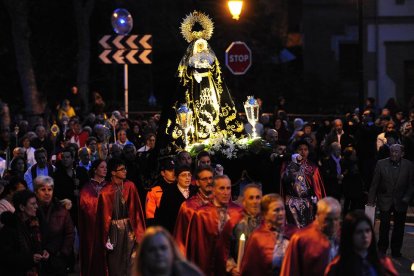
(338, 135)
(332, 171)
(173, 196)
(392, 188)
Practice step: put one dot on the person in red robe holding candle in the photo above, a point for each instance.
(88, 203)
(266, 246)
(204, 181)
(250, 197)
(211, 229)
(120, 224)
(312, 248)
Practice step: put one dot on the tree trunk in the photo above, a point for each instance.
(83, 10)
(19, 12)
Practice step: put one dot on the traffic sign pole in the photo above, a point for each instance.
(121, 49)
(126, 89)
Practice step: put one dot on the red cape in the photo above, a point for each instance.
(87, 215)
(258, 255)
(182, 223)
(103, 221)
(208, 248)
(307, 253)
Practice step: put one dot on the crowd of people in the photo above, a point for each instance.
(95, 196)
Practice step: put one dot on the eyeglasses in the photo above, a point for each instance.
(121, 169)
(206, 178)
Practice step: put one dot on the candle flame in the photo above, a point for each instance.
(242, 237)
(412, 267)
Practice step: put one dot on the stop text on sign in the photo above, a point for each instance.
(239, 58)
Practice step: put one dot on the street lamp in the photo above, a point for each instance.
(122, 24)
(235, 7)
(185, 120)
(251, 107)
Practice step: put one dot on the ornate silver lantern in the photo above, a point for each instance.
(251, 107)
(185, 120)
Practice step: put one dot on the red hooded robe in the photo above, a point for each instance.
(87, 215)
(184, 216)
(207, 247)
(258, 255)
(307, 253)
(103, 220)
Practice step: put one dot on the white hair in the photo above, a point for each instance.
(327, 204)
(43, 180)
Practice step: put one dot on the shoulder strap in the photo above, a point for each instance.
(33, 171)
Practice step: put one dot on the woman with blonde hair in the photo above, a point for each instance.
(158, 254)
(267, 244)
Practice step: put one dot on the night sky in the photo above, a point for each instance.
(54, 50)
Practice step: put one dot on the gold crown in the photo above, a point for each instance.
(188, 23)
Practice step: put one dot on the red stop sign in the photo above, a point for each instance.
(238, 58)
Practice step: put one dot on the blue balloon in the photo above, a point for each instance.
(121, 21)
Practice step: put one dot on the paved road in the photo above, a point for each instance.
(403, 264)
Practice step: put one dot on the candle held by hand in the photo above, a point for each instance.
(240, 254)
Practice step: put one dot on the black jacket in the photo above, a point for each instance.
(17, 246)
(389, 191)
(171, 201)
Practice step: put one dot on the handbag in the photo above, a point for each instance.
(370, 212)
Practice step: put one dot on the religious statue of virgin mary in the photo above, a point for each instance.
(204, 99)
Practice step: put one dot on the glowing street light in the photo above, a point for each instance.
(235, 7)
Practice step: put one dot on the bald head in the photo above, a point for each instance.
(338, 125)
(396, 152)
(221, 190)
(19, 152)
(327, 204)
(328, 216)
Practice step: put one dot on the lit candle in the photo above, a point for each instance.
(240, 254)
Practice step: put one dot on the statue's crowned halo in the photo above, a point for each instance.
(202, 89)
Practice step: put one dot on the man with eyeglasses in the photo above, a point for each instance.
(204, 181)
(120, 224)
(173, 196)
(92, 145)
